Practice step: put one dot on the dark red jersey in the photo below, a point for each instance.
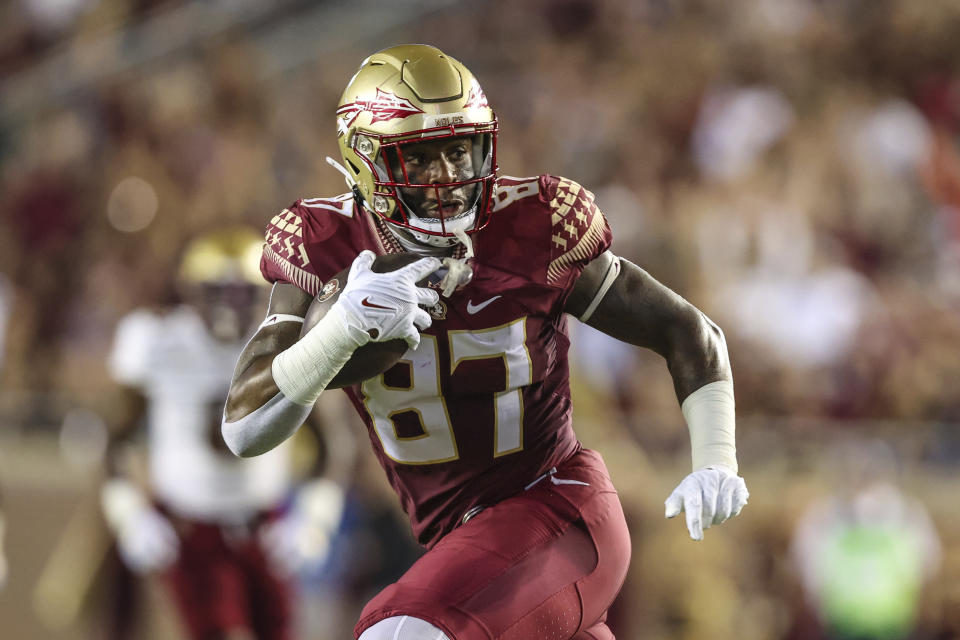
(482, 407)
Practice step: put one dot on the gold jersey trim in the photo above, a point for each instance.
(571, 207)
(300, 277)
(587, 246)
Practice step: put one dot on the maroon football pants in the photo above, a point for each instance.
(546, 563)
(222, 582)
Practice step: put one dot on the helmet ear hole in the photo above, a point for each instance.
(353, 167)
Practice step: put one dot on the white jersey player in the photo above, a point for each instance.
(184, 373)
(209, 522)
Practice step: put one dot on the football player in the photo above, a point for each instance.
(209, 523)
(525, 534)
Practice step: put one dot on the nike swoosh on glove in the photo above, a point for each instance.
(708, 496)
(385, 306)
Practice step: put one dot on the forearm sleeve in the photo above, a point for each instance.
(710, 415)
(265, 428)
(301, 372)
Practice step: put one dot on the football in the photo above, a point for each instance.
(373, 358)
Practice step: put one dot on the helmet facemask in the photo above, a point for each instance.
(441, 184)
(436, 184)
(405, 97)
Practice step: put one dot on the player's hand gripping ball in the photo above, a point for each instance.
(373, 358)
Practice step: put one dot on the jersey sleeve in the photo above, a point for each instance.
(129, 357)
(579, 230)
(285, 256)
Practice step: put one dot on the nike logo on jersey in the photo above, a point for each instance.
(474, 308)
(366, 302)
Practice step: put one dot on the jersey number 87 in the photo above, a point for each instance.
(423, 397)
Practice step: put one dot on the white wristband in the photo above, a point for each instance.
(710, 415)
(304, 370)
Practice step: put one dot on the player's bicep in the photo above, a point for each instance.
(641, 311)
(253, 382)
(636, 308)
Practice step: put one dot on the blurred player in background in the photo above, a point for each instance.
(472, 426)
(210, 523)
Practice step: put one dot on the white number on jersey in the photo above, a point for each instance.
(423, 397)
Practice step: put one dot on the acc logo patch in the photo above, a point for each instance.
(329, 290)
(438, 311)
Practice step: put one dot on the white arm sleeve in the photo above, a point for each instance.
(263, 429)
(301, 372)
(710, 415)
(386, 304)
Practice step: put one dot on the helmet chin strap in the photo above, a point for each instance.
(433, 226)
(413, 245)
(461, 223)
(346, 175)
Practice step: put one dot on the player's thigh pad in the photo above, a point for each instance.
(403, 628)
(546, 563)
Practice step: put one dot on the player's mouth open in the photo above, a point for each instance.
(446, 210)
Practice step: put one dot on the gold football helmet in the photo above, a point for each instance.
(219, 275)
(412, 94)
(228, 255)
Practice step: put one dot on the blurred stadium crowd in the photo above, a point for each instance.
(790, 166)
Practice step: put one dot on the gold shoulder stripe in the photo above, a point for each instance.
(585, 247)
(303, 279)
(577, 226)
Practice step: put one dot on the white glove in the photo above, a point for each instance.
(146, 540)
(385, 306)
(708, 496)
(302, 538)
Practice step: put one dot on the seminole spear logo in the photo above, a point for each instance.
(385, 106)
